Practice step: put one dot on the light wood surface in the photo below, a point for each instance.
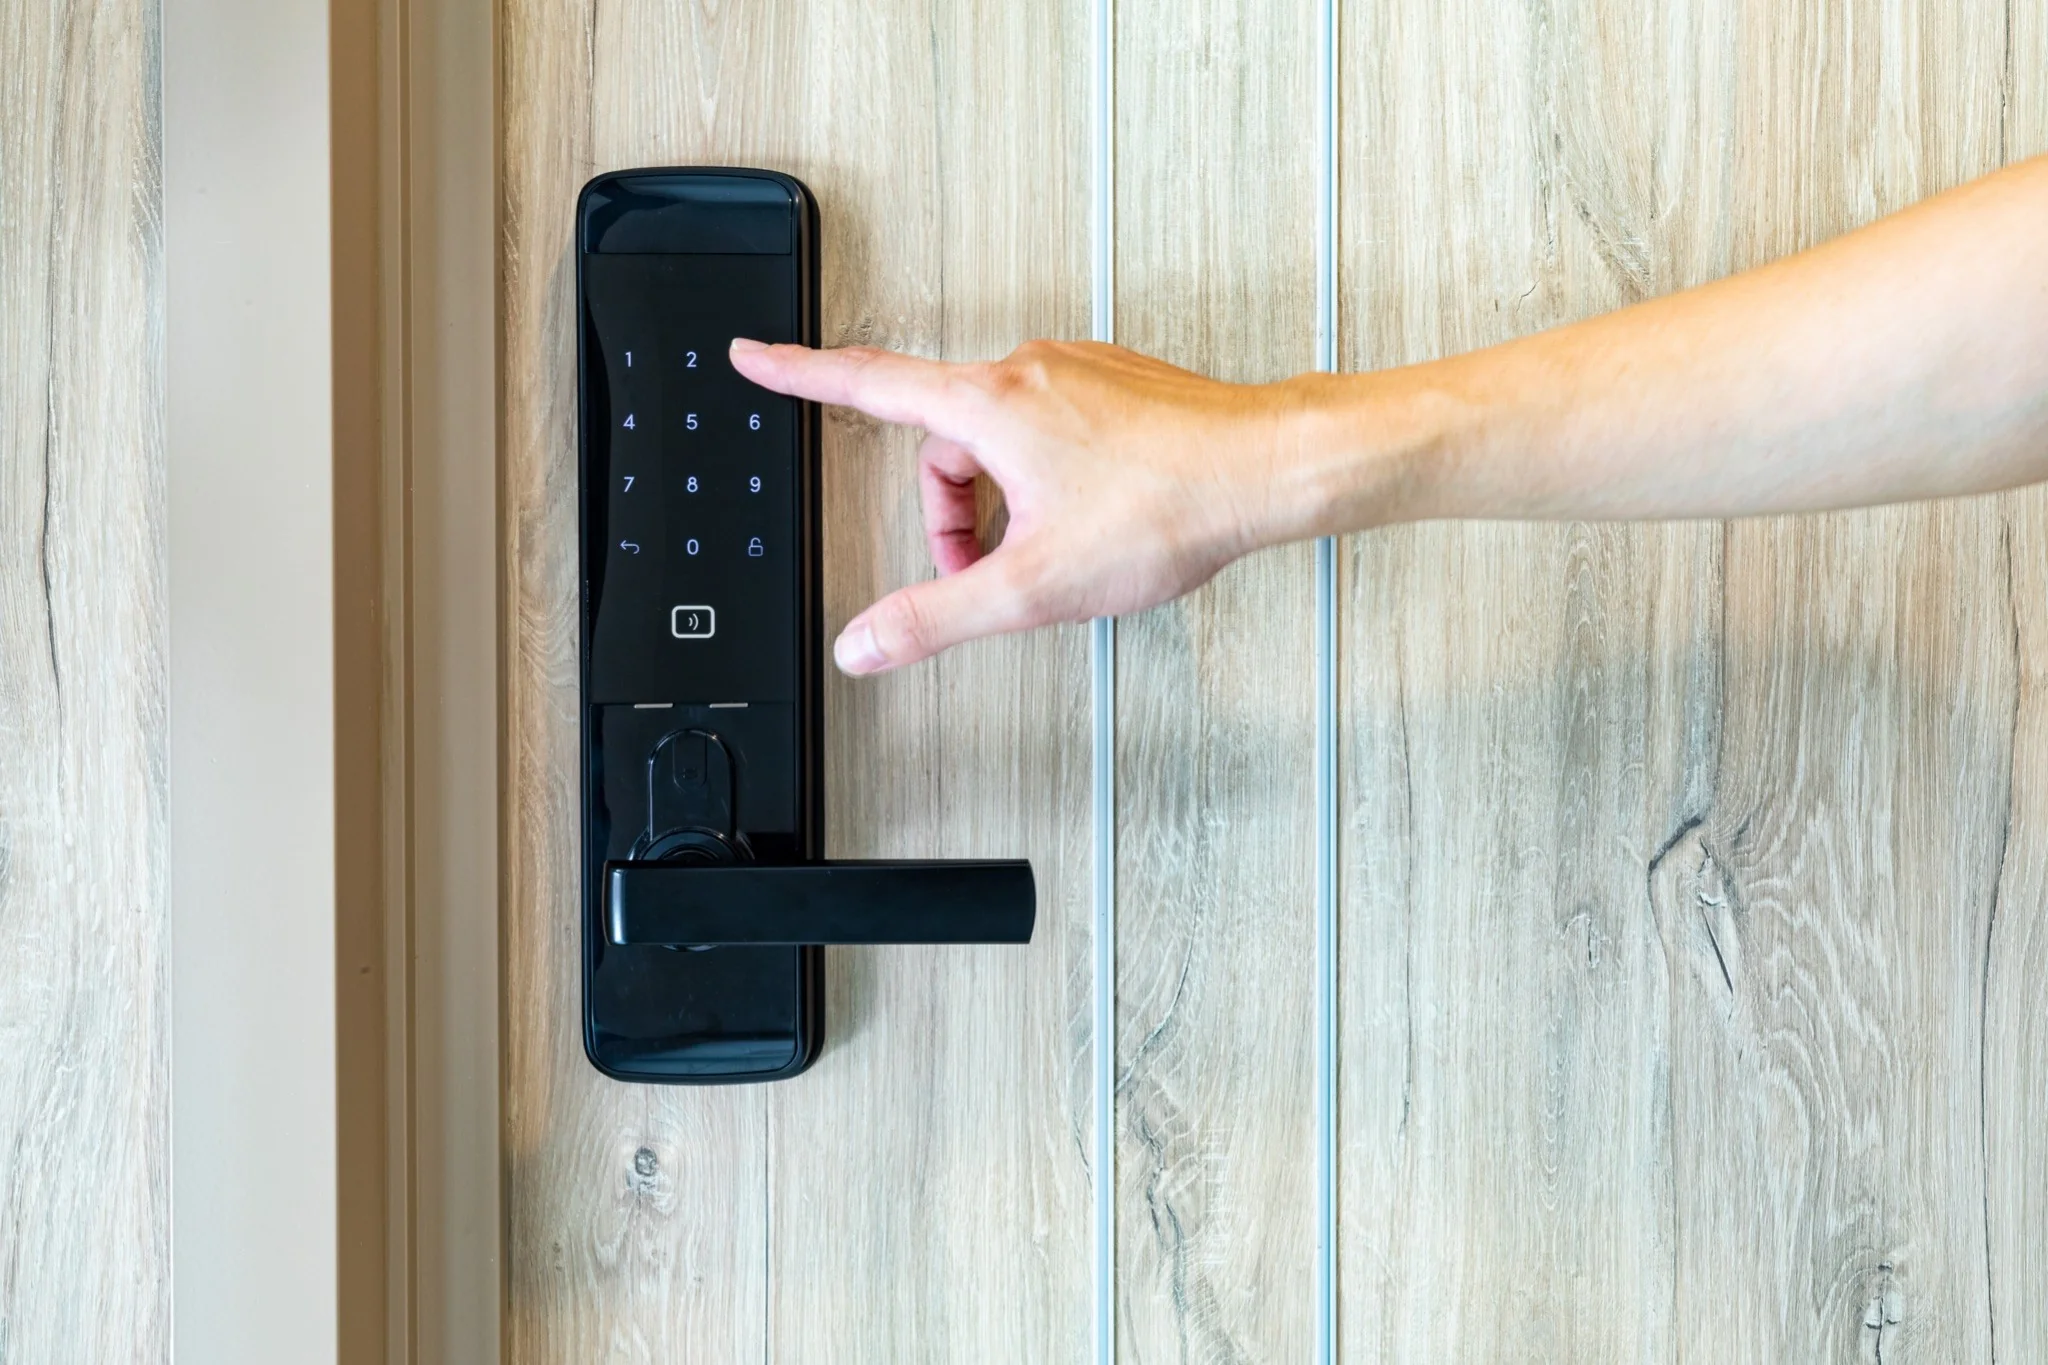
(929, 1179)
(636, 1216)
(1677, 1013)
(1526, 711)
(1215, 815)
(2014, 1039)
(2015, 1028)
(922, 1193)
(1693, 874)
(84, 925)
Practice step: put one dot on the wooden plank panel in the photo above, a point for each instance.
(1847, 862)
(2014, 1067)
(1512, 738)
(922, 1192)
(1669, 859)
(637, 1215)
(2026, 82)
(1845, 873)
(2013, 1070)
(84, 923)
(1215, 815)
(1527, 711)
(928, 1179)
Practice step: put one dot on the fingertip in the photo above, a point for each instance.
(749, 357)
(855, 651)
(752, 358)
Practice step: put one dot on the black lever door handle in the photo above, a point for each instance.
(697, 905)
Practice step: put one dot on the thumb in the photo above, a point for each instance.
(917, 622)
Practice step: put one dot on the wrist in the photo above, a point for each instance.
(1356, 451)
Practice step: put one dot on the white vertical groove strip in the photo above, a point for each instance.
(1326, 716)
(1326, 950)
(1102, 665)
(1102, 671)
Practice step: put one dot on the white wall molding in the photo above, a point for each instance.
(249, 491)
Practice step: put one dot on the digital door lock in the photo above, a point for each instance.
(706, 902)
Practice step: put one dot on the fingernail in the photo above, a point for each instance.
(748, 344)
(856, 651)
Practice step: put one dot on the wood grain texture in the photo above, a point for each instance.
(1693, 874)
(636, 1216)
(922, 1193)
(2026, 82)
(929, 1178)
(84, 922)
(1510, 738)
(1845, 871)
(1847, 860)
(1215, 817)
(1673, 852)
(2014, 1064)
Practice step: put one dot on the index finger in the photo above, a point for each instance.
(884, 384)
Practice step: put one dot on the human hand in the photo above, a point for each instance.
(1128, 481)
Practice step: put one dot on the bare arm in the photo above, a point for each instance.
(1906, 360)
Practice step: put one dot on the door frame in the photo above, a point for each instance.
(250, 769)
(419, 636)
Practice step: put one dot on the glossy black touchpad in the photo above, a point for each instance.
(694, 612)
(694, 595)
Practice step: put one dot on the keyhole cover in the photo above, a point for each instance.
(690, 801)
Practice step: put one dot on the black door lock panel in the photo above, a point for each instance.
(705, 895)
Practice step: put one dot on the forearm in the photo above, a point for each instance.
(1906, 360)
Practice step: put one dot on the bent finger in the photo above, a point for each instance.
(945, 476)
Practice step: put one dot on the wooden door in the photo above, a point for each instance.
(1690, 877)
(1691, 865)
(943, 1141)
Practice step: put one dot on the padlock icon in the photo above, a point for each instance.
(754, 550)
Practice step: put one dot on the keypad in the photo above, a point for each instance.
(694, 596)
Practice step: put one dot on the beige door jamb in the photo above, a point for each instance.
(417, 669)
